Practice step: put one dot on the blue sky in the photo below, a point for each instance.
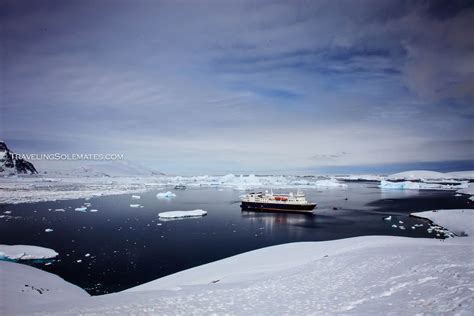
(241, 86)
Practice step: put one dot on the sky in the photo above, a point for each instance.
(241, 86)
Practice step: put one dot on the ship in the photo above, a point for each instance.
(259, 201)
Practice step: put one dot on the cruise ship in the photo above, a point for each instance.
(277, 202)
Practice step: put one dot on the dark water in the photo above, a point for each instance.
(130, 246)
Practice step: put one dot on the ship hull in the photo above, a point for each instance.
(278, 207)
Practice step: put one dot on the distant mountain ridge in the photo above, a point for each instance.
(11, 165)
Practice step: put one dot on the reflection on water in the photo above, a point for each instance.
(130, 246)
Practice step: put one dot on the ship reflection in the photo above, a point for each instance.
(271, 219)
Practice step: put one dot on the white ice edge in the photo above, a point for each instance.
(182, 214)
(26, 252)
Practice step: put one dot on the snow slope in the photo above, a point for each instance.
(363, 275)
(451, 220)
(25, 290)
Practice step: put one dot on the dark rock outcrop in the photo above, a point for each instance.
(11, 164)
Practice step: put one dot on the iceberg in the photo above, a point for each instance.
(81, 209)
(25, 252)
(166, 195)
(330, 183)
(182, 214)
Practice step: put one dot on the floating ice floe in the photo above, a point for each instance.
(94, 210)
(388, 218)
(166, 195)
(182, 214)
(81, 209)
(136, 197)
(135, 205)
(60, 210)
(48, 230)
(24, 252)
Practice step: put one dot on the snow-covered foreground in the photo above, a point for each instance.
(363, 275)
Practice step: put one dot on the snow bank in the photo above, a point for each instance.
(409, 185)
(461, 175)
(431, 175)
(182, 214)
(459, 221)
(417, 175)
(23, 252)
(469, 190)
(166, 195)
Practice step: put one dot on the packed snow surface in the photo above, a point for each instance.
(182, 214)
(363, 275)
(24, 252)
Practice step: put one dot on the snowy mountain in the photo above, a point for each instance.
(11, 164)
